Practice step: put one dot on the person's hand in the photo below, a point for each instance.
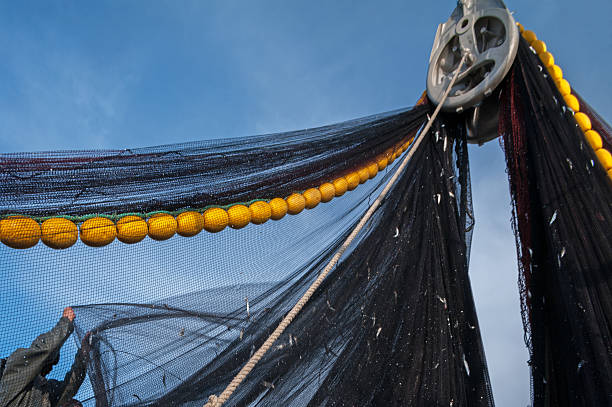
(68, 313)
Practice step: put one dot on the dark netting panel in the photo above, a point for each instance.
(563, 222)
(173, 321)
(195, 175)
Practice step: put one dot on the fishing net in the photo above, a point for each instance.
(562, 217)
(173, 320)
(181, 260)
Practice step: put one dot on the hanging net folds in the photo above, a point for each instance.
(562, 217)
(173, 317)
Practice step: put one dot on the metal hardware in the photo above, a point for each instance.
(487, 33)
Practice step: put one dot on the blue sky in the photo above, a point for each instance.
(76, 75)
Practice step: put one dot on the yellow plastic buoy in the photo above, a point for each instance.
(327, 191)
(260, 212)
(312, 196)
(215, 219)
(382, 163)
(539, 46)
(605, 158)
(583, 121)
(278, 207)
(59, 233)
(189, 223)
(131, 229)
(364, 175)
(372, 170)
(238, 216)
(341, 186)
(19, 232)
(162, 226)
(295, 204)
(352, 180)
(529, 36)
(547, 59)
(610, 173)
(556, 72)
(98, 232)
(520, 27)
(572, 102)
(563, 86)
(392, 158)
(594, 139)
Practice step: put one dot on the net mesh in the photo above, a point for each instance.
(173, 321)
(563, 222)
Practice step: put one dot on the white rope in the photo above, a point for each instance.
(215, 401)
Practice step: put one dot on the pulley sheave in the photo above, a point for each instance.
(486, 31)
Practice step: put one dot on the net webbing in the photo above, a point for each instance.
(195, 175)
(562, 215)
(173, 321)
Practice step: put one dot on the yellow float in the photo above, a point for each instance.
(98, 232)
(59, 233)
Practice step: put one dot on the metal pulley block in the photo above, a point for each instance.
(485, 31)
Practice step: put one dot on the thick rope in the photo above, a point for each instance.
(214, 401)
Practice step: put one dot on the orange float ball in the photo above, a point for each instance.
(572, 102)
(312, 196)
(295, 204)
(162, 226)
(189, 223)
(279, 208)
(583, 121)
(594, 139)
(364, 175)
(563, 86)
(372, 170)
(520, 27)
(327, 191)
(529, 36)
(59, 233)
(131, 229)
(19, 232)
(610, 173)
(539, 46)
(352, 181)
(605, 158)
(556, 72)
(215, 219)
(547, 59)
(341, 186)
(382, 163)
(238, 216)
(260, 212)
(98, 232)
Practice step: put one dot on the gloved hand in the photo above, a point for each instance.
(68, 313)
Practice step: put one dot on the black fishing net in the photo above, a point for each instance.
(173, 321)
(195, 175)
(563, 222)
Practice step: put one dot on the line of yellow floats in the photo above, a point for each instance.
(583, 121)
(22, 232)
